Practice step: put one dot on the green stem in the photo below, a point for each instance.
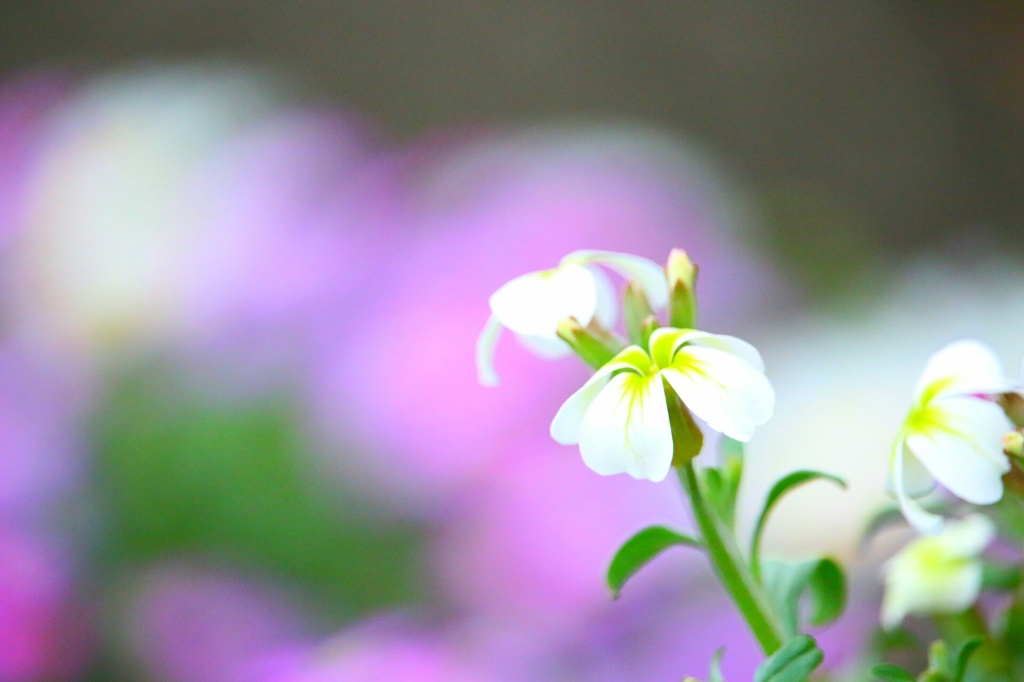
(731, 569)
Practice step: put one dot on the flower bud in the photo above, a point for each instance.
(594, 344)
(1013, 444)
(682, 293)
(636, 310)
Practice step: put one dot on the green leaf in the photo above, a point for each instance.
(963, 656)
(639, 550)
(887, 672)
(821, 580)
(178, 472)
(715, 675)
(781, 487)
(794, 662)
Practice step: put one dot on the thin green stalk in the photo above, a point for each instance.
(731, 569)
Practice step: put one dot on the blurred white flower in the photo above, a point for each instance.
(620, 417)
(110, 219)
(532, 305)
(954, 431)
(937, 574)
(841, 399)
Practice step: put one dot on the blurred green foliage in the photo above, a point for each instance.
(180, 473)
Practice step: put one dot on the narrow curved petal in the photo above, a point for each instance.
(626, 429)
(963, 367)
(534, 304)
(724, 390)
(546, 347)
(648, 274)
(917, 482)
(485, 347)
(565, 427)
(923, 521)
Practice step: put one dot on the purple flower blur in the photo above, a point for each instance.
(186, 623)
(380, 650)
(528, 546)
(42, 633)
(401, 378)
(296, 212)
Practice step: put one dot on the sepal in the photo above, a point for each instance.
(687, 438)
(595, 346)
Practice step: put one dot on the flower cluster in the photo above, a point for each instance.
(634, 415)
(639, 412)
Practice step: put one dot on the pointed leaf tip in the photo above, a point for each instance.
(639, 550)
(781, 487)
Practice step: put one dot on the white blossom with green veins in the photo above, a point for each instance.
(532, 305)
(620, 416)
(953, 433)
(937, 573)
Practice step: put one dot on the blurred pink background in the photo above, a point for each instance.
(241, 434)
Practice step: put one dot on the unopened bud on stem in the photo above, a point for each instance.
(682, 293)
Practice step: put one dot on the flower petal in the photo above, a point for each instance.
(626, 429)
(485, 347)
(648, 274)
(565, 427)
(963, 367)
(534, 304)
(724, 390)
(969, 537)
(917, 482)
(729, 344)
(937, 574)
(923, 521)
(965, 453)
(545, 346)
(607, 298)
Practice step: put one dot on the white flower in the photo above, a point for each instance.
(620, 416)
(937, 574)
(532, 305)
(953, 433)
